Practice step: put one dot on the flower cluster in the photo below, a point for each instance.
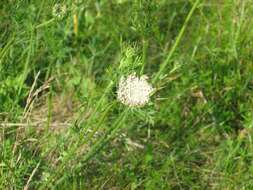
(59, 10)
(134, 91)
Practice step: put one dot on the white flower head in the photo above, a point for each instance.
(59, 10)
(134, 91)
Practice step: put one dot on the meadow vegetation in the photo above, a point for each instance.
(62, 126)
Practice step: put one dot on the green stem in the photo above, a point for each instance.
(178, 39)
(95, 148)
(45, 23)
(110, 134)
(144, 55)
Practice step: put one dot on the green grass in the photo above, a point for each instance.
(61, 126)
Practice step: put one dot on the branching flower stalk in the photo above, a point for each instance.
(118, 124)
(133, 92)
(72, 151)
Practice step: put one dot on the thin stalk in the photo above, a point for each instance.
(178, 39)
(98, 104)
(102, 142)
(45, 23)
(144, 55)
(110, 134)
(97, 146)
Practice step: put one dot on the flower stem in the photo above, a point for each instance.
(45, 23)
(178, 39)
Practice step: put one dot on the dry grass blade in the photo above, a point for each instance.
(32, 95)
(31, 176)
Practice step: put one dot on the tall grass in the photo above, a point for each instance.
(62, 126)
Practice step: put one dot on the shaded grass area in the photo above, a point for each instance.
(62, 126)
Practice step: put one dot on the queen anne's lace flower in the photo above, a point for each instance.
(59, 11)
(134, 91)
